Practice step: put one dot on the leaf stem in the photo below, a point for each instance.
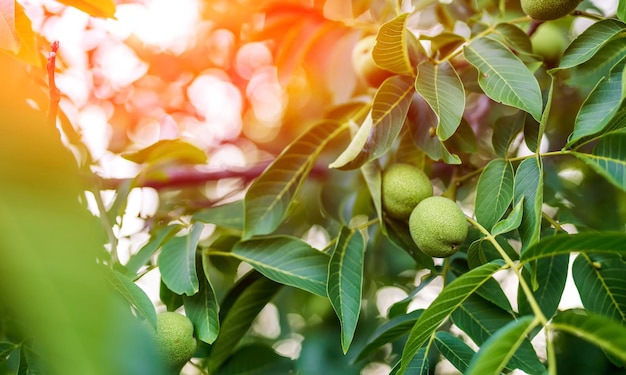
(527, 292)
(106, 224)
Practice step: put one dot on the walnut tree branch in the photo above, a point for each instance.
(54, 91)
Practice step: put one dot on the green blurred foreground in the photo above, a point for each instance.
(55, 304)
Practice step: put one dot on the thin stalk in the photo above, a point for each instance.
(526, 289)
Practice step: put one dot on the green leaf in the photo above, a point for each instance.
(608, 159)
(442, 89)
(599, 279)
(134, 295)
(422, 123)
(6, 348)
(144, 254)
(503, 77)
(345, 279)
(599, 108)
(389, 332)
(587, 44)
(505, 130)
(444, 43)
(390, 51)
(482, 251)
(256, 359)
(514, 37)
(529, 186)
(621, 10)
(381, 128)
(512, 221)
(599, 330)
(373, 179)
(418, 364)
(600, 65)
(96, 8)
(550, 276)
(239, 309)
(494, 192)
(270, 195)
(454, 350)
(202, 308)
(168, 150)
(450, 298)
(398, 233)
(492, 292)
(499, 348)
(600, 242)
(177, 262)
(229, 215)
(287, 260)
(480, 320)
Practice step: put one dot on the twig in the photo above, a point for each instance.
(191, 177)
(54, 91)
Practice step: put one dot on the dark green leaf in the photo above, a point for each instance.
(7, 347)
(229, 215)
(550, 276)
(503, 77)
(345, 279)
(599, 330)
(529, 186)
(451, 297)
(454, 350)
(138, 260)
(389, 332)
(256, 359)
(609, 159)
(245, 301)
(202, 308)
(422, 125)
(505, 130)
(605, 242)
(599, 108)
(500, 348)
(287, 260)
(600, 65)
(398, 233)
(599, 279)
(177, 262)
(494, 192)
(269, 197)
(480, 320)
(511, 222)
(587, 44)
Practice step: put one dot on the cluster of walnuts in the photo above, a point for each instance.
(436, 223)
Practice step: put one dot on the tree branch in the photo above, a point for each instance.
(54, 91)
(190, 177)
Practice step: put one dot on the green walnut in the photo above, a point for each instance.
(403, 187)
(545, 10)
(549, 41)
(438, 226)
(175, 341)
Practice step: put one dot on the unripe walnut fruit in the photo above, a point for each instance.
(403, 187)
(364, 65)
(545, 10)
(438, 226)
(175, 341)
